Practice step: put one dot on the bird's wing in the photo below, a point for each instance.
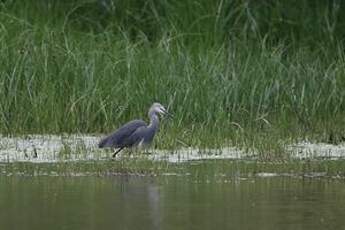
(137, 136)
(119, 137)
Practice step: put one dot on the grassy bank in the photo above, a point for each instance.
(231, 71)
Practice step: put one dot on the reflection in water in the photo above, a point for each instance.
(170, 203)
(139, 204)
(154, 198)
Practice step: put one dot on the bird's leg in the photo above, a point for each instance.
(114, 155)
(146, 151)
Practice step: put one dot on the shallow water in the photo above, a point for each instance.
(170, 203)
(54, 148)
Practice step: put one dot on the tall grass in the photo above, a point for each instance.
(224, 68)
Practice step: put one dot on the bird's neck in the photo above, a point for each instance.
(154, 121)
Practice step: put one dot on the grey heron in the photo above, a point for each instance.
(135, 133)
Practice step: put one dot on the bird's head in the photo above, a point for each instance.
(158, 108)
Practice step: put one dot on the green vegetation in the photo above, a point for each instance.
(203, 170)
(241, 71)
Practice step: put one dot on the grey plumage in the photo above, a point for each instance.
(121, 137)
(135, 132)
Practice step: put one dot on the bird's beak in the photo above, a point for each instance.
(166, 113)
(169, 115)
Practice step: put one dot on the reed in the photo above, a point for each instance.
(230, 71)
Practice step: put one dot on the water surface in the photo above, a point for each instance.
(170, 203)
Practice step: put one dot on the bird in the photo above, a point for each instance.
(135, 133)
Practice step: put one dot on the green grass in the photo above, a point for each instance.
(208, 170)
(232, 72)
